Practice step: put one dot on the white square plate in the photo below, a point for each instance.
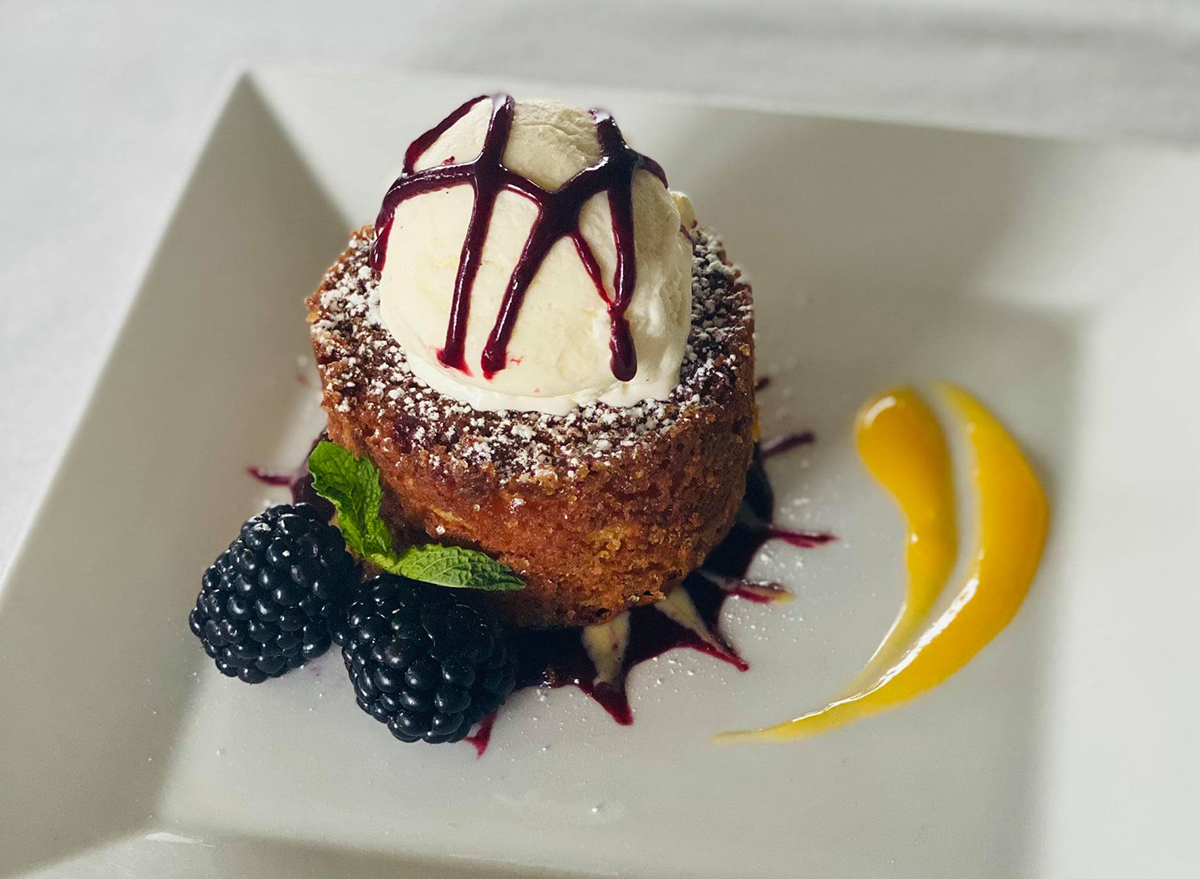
(1057, 281)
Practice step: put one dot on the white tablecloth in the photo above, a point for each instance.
(103, 104)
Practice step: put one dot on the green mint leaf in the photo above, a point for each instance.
(458, 568)
(351, 484)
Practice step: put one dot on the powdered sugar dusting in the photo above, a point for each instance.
(362, 366)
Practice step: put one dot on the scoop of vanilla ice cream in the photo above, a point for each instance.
(558, 356)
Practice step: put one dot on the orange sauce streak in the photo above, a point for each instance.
(1011, 532)
(902, 445)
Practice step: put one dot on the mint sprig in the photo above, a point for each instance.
(351, 484)
(457, 567)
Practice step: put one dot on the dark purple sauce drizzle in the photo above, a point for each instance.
(558, 217)
(557, 657)
(753, 528)
(483, 734)
(786, 442)
(298, 480)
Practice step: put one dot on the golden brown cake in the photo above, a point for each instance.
(598, 510)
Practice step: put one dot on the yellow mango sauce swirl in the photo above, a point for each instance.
(903, 446)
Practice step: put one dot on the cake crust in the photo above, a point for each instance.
(598, 510)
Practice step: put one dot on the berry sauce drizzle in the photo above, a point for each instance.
(786, 442)
(559, 657)
(297, 480)
(483, 734)
(557, 218)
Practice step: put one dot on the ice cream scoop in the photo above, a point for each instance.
(531, 260)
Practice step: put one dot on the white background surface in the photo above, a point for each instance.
(102, 106)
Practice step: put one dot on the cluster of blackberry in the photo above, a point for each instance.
(422, 659)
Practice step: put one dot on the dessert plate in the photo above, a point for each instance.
(1057, 281)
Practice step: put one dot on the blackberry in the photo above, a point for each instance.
(422, 659)
(267, 601)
